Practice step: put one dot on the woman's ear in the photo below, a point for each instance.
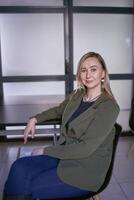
(103, 74)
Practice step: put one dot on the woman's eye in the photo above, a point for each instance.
(83, 70)
(93, 70)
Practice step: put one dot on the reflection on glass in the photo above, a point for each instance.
(32, 44)
(123, 119)
(123, 98)
(118, 3)
(34, 88)
(108, 34)
(31, 3)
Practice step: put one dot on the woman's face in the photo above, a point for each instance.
(92, 73)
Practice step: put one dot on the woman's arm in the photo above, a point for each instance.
(52, 113)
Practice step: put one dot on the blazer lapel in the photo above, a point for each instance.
(72, 105)
(89, 113)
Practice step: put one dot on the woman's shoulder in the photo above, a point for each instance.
(76, 93)
(109, 101)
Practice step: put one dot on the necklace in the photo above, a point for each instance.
(90, 100)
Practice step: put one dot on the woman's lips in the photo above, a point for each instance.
(89, 81)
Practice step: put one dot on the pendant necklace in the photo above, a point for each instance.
(90, 100)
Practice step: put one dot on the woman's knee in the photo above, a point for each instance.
(17, 177)
(19, 167)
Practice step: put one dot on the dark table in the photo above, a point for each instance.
(18, 115)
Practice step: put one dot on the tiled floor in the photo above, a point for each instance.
(121, 186)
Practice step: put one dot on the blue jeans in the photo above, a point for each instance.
(37, 176)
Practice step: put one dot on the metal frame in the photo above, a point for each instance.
(118, 77)
(68, 33)
(30, 9)
(34, 78)
(1, 82)
(103, 10)
(67, 9)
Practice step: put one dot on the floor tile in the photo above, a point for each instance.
(113, 180)
(113, 192)
(123, 169)
(128, 188)
(124, 145)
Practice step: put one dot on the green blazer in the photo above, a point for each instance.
(86, 154)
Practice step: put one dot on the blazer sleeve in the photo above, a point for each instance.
(98, 130)
(53, 113)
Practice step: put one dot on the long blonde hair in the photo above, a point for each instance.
(106, 83)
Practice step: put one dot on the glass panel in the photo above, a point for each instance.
(34, 92)
(108, 34)
(31, 3)
(121, 3)
(34, 88)
(32, 44)
(122, 89)
(123, 119)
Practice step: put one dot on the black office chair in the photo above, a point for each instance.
(131, 117)
(95, 195)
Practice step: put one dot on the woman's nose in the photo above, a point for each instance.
(88, 74)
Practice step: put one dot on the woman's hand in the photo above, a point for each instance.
(30, 129)
(37, 151)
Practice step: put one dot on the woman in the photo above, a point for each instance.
(70, 168)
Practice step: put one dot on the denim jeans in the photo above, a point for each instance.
(37, 176)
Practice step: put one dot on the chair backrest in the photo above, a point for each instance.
(131, 117)
(110, 170)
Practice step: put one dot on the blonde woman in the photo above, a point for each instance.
(70, 168)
